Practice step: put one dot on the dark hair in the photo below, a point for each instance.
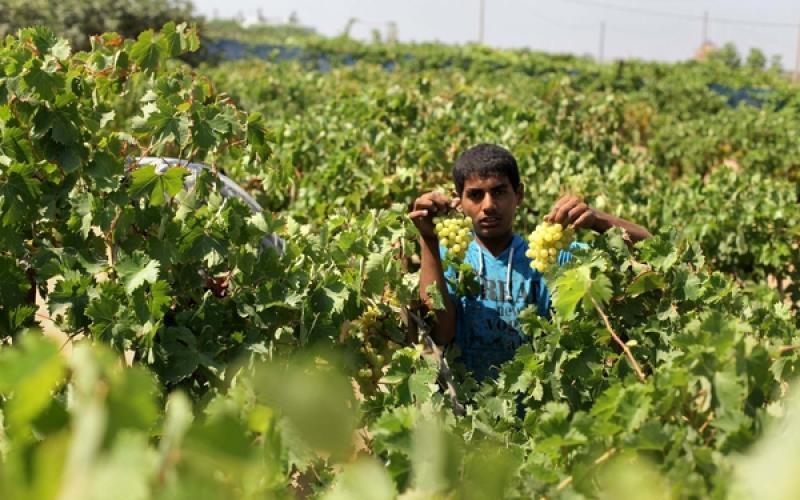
(485, 160)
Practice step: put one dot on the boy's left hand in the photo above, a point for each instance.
(572, 210)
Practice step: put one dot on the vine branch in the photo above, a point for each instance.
(444, 370)
(788, 348)
(599, 460)
(628, 354)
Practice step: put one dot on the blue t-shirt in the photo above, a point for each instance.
(487, 327)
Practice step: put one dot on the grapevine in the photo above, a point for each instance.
(545, 242)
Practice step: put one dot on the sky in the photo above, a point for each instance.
(669, 30)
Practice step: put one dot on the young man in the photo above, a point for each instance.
(488, 191)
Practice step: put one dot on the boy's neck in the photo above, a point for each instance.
(495, 246)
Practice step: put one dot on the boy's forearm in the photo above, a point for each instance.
(607, 221)
(431, 271)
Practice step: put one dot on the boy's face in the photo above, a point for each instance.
(491, 203)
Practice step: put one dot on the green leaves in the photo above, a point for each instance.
(18, 194)
(152, 49)
(365, 479)
(180, 358)
(136, 270)
(435, 294)
(103, 312)
(166, 125)
(305, 389)
(43, 79)
(375, 273)
(149, 50)
(622, 408)
(770, 467)
(584, 283)
(646, 282)
(16, 286)
(180, 39)
(29, 374)
(730, 391)
(158, 186)
(332, 299)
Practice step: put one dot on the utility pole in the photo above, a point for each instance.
(705, 29)
(481, 21)
(797, 62)
(602, 44)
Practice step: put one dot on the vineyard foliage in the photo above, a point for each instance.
(202, 364)
(78, 20)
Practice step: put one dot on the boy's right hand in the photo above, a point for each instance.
(428, 206)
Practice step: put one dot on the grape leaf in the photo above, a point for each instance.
(363, 479)
(374, 273)
(148, 50)
(145, 181)
(645, 282)
(44, 81)
(28, 374)
(577, 284)
(102, 311)
(435, 296)
(136, 270)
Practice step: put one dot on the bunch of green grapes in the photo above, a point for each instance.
(545, 242)
(454, 234)
(377, 342)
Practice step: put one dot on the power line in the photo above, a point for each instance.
(705, 19)
(760, 24)
(557, 22)
(636, 10)
(683, 17)
(759, 36)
